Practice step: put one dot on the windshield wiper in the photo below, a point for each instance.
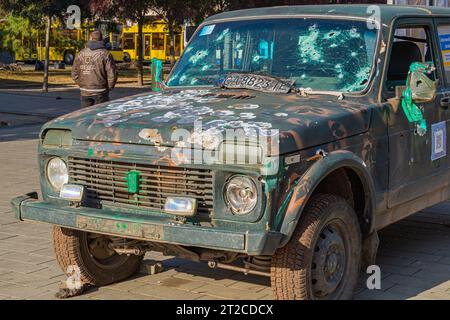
(304, 92)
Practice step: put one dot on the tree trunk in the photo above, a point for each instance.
(171, 44)
(47, 53)
(140, 54)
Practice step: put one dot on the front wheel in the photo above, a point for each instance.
(322, 259)
(89, 252)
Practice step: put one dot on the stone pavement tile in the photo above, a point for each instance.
(28, 258)
(267, 297)
(36, 243)
(19, 291)
(27, 279)
(395, 261)
(431, 276)
(2, 252)
(107, 294)
(250, 284)
(404, 292)
(414, 282)
(436, 293)
(175, 262)
(416, 256)
(21, 267)
(432, 267)
(28, 229)
(432, 296)
(208, 297)
(181, 283)
(18, 247)
(155, 278)
(268, 291)
(46, 252)
(7, 221)
(230, 293)
(407, 271)
(257, 280)
(50, 272)
(124, 286)
(164, 292)
(375, 295)
(443, 252)
(4, 236)
(46, 295)
(201, 272)
(207, 278)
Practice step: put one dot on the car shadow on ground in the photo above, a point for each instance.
(414, 260)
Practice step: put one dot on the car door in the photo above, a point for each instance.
(442, 26)
(414, 166)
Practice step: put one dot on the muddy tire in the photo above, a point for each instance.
(322, 259)
(98, 265)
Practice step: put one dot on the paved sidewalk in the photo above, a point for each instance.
(27, 107)
(414, 256)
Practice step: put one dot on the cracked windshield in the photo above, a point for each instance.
(326, 55)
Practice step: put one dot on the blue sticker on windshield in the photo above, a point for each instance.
(206, 30)
(439, 141)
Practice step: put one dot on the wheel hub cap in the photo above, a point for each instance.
(328, 262)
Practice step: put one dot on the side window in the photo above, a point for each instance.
(444, 41)
(411, 44)
(157, 41)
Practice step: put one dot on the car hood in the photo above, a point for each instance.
(160, 118)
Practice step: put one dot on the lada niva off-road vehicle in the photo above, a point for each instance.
(283, 139)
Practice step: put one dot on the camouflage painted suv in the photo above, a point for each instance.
(282, 141)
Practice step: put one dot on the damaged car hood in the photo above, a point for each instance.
(153, 118)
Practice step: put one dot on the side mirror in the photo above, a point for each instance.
(419, 88)
(423, 89)
(157, 75)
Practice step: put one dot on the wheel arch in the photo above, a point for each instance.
(349, 169)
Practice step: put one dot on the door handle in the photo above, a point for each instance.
(445, 102)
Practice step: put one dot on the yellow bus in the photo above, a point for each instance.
(155, 40)
(64, 44)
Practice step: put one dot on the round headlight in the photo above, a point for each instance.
(57, 173)
(241, 195)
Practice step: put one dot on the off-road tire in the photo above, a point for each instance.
(71, 250)
(292, 266)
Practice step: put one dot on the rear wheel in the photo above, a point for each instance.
(98, 264)
(322, 259)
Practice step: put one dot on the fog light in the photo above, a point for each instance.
(181, 206)
(72, 192)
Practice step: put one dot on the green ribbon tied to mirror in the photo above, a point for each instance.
(419, 88)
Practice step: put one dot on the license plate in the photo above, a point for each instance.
(257, 82)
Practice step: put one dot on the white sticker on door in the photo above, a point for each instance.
(439, 141)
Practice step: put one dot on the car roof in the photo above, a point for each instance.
(387, 12)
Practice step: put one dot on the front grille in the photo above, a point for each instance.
(106, 183)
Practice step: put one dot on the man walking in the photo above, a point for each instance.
(94, 70)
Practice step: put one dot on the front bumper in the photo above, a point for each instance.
(144, 228)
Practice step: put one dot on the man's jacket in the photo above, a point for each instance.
(94, 69)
